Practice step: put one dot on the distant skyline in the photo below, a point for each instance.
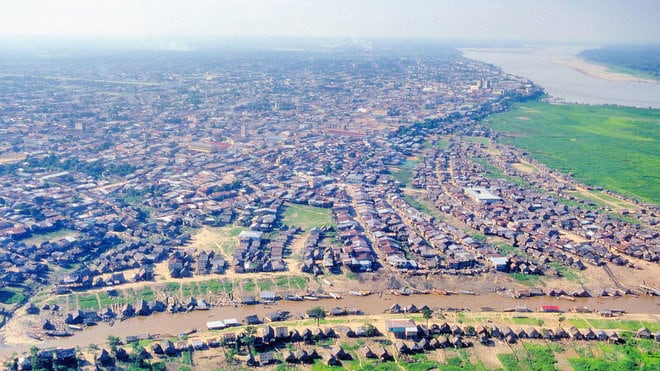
(574, 21)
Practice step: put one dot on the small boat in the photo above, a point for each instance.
(58, 333)
(189, 332)
(74, 327)
(34, 336)
(310, 298)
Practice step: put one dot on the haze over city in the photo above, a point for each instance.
(590, 21)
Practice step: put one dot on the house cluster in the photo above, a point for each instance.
(126, 176)
(299, 346)
(255, 254)
(462, 183)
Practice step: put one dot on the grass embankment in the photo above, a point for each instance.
(617, 148)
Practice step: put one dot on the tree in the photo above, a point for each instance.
(428, 314)
(39, 363)
(370, 330)
(113, 342)
(318, 313)
(250, 331)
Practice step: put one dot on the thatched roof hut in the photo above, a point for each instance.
(643, 333)
(575, 334)
(395, 309)
(534, 333)
(318, 333)
(366, 352)
(303, 356)
(295, 336)
(456, 330)
(289, 357)
(330, 333)
(339, 352)
(521, 333)
(333, 361)
(401, 347)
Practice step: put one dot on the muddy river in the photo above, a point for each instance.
(169, 324)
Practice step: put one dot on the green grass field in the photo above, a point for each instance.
(617, 148)
(307, 217)
(403, 174)
(37, 239)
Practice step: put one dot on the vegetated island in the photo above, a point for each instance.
(639, 61)
(615, 148)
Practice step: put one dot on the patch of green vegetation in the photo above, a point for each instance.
(570, 274)
(631, 71)
(38, 238)
(88, 302)
(624, 218)
(478, 140)
(212, 286)
(186, 357)
(106, 300)
(461, 361)
(568, 202)
(186, 289)
(403, 174)
(416, 204)
(283, 367)
(147, 294)
(494, 172)
(419, 362)
(298, 282)
(579, 323)
(572, 139)
(636, 354)
(307, 217)
(195, 291)
(352, 276)
(526, 279)
(172, 287)
(235, 231)
(442, 143)
(227, 286)
(249, 285)
(478, 236)
(531, 357)
(506, 249)
(265, 284)
(11, 295)
(282, 282)
(527, 321)
(615, 324)
(320, 366)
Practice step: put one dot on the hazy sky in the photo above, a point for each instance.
(599, 21)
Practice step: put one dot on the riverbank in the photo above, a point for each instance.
(565, 83)
(16, 339)
(207, 348)
(601, 71)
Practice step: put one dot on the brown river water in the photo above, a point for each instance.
(171, 324)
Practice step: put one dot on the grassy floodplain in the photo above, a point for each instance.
(617, 148)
